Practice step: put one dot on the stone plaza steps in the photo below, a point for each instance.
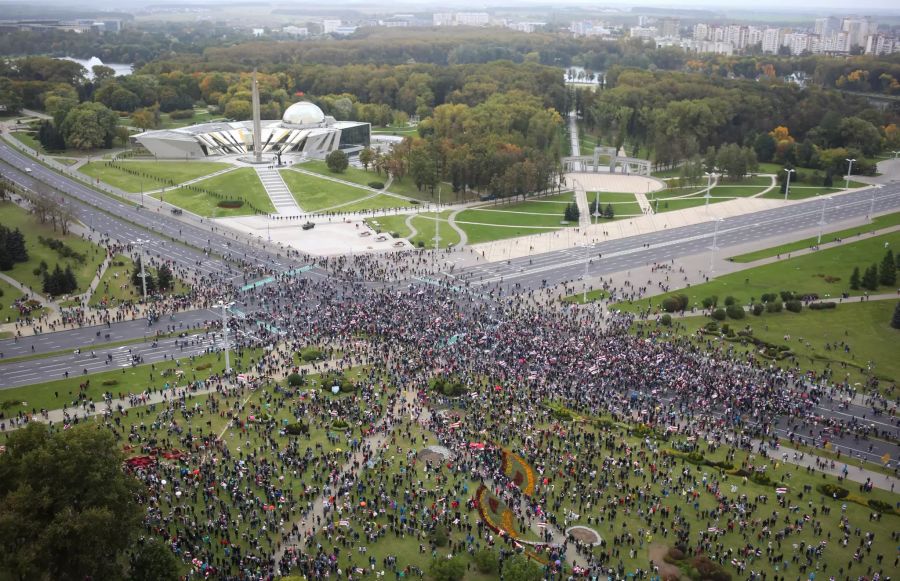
(278, 192)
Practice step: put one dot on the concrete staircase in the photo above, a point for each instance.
(278, 192)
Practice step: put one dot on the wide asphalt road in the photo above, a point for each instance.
(95, 337)
(662, 246)
(19, 373)
(198, 248)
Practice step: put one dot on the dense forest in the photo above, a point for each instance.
(490, 102)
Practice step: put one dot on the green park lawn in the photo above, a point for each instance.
(115, 285)
(242, 183)
(863, 325)
(155, 174)
(804, 192)
(390, 224)
(55, 394)
(65, 160)
(8, 296)
(425, 225)
(351, 174)
(316, 194)
(13, 216)
(802, 274)
(30, 139)
(878, 223)
(377, 202)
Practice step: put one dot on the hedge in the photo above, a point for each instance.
(794, 306)
(719, 314)
(822, 306)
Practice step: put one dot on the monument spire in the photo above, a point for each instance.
(257, 131)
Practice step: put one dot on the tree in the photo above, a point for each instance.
(895, 320)
(521, 568)
(136, 279)
(164, 277)
(608, 212)
(870, 278)
(447, 569)
(572, 213)
(888, 271)
(238, 109)
(89, 126)
(67, 509)
(366, 157)
(153, 561)
(146, 118)
(337, 161)
(854, 279)
(764, 146)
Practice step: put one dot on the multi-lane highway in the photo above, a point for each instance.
(663, 245)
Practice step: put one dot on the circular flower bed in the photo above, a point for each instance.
(584, 534)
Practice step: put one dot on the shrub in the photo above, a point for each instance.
(486, 561)
(710, 302)
(794, 306)
(297, 429)
(833, 491)
(666, 320)
(880, 505)
(670, 304)
(110, 382)
(311, 354)
(786, 296)
(348, 386)
(230, 204)
(768, 297)
(203, 366)
(712, 326)
(729, 300)
(562, 415)
(450, 387)
(683, 301)
(774, 307)
(735, 312)
(295, 380)
(439, 536)
(719, 314)
(182, 114)
(376, 185)
(761, 479)
(758, 309)
(823, 306)
(340, 424)
(420, 244)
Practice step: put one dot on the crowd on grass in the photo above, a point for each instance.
(239, 494)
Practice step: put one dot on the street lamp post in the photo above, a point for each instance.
(225, 306)
(787, 187)
(709, 176)
(713, 248)
(140, 242)
(821, 221)
(849, 171)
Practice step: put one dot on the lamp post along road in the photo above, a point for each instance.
(787, 187)
(821, 222)
(140, 244)
(713, 248)
(225, 306)
(709, 177)
(849, 171)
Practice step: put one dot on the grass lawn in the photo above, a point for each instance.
(391, 224)
(156, 174)
(10, 295)
(671, 205)
(675, 192)
(378, 202)
(425, 224)
(29, 139)
(803, 274)
(512, 216)
(115, 285)
(351, 174)
(242, 183)
(315, 194)
(864, 326)
(879, 222)
(804, 192)
(592, 295)
(735, 191)
(65, 160)
(396, 129)
(57, 393)
(13, 216)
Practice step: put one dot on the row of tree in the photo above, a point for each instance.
(875, 275)
(57, 282)
(162, 281)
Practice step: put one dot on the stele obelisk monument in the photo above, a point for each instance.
(257, 131)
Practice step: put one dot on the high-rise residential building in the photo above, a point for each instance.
(442, 19)
(329, 26)
(825, 26)
(879, 44)
(701, 31)
(646, 32)
(669, 27)
(772, 40)
(754, 35)
(472, 18)
(857, 29)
